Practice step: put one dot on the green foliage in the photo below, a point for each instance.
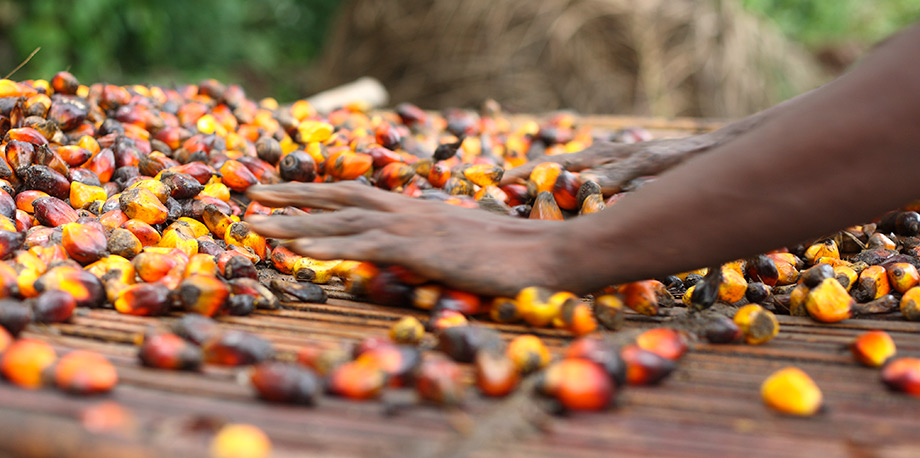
(260, 43)
(819, 22)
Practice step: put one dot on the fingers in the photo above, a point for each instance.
(330, 196)
(373, 246)
(344, 222)
(593, 156)
(652, 159)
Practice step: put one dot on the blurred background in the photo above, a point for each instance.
(712, 58)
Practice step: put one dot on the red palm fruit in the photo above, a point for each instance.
(25, 200)
(9, 242)
(203, 294)
(440, 380)
(461, 301)
(357, 381)
(26, 134)
(102, 164)
(646, 296)
(145, 233)
(84, 243)
(383, 156)
(255, 208)
(397, 361)
(576, 317)
(144, 299)
(444, 319)
(394, 175)
(85, 288)
(263, 297)
(644, 367)
(578, 384)
(23, 221)
(665, 342)
(903, 374)
(517, 194)
(53, 307)
(19, 156)
(25, 362)
(545, 208)
(285, 382)
(65, 83)
(358, 278)
(85, 372)
(169, 351)
(197, 170)
(601, 352)
(565, 190)
(496, 374)
(5, 339)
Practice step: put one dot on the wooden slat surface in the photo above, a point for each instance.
(709, 407)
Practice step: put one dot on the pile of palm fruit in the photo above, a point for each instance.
(131, 197)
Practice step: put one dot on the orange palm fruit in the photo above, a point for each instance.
(543, 176)
(537, 307)
(579, 384)
(25, 362)
(85, 372)
(872, 284)
(236, 440)
(873, 348)
(646, 296)
(828, 248)
(357, 381)
(169, 351)
(347, 165)
(358, 277)
(439, 174)
(85, 288)
(733, 286)
(241, 234)
(592, 204)
(113, 219)
(545, 208)
(792, 391)
(797, 300)
(236, 348)
(902, 276)
(903, 374)
(84, 243)
(145, 233)
(156, 187)
(576, 317)
(142, 204)
(151, 266)
(665, 342)
(102, 164)
(847, 276)
(203, 294)
(528, 353)
(5, 339)
(74, 155)
(758, 325)
(829, 302)
(496, 374)
(504, 310)
(200, 263)
(82, 195)
(236, 176)
(483, 174)
(910, 304)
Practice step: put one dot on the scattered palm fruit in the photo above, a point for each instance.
(602, 353)
(665, 342)
(462, 343)
(873, 348)
(829, 301)
(237, 440)
(578, 384)
(496, 374)
(644, 367)
(440, 380)
(285, 382)
(356, 380)
(528, 353)
(792, 391)
(903, 374)
(758, 325)
(408, 330)
(85, 372)
(236, 348)
(25, 362)
(53, 307)
(204, 294)
(169, 351)
(14, 316)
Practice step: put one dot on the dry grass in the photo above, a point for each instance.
(660, 57)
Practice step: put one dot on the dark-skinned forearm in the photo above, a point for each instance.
(837, 156)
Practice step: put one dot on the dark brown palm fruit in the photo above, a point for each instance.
(68, 111)
(385, 288)
(196, 328)
(720, 329)
(144, 299)
(269, 150)
(240, 305)
(9, 242)
(462, 343)
(293, 291)
(440, 380)
(816, 274)
(237, 348)
(706, 292)
(285, 382)
(46, 179)
(263, 298)
(14, 316)
(123, 243)
(181, 185)
(397, 361)
(297, 166)
(757, 292)
(644, 367)
(240, 267)
(53, 307)
(447, 150)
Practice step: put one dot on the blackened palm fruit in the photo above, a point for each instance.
(706, 292)
(462, 343)
(297, 166)
(298, 291)
(14, 316)
(269, 150)
(757, 292)
(816, 274)
(447, 150)
(285, 382)
(44, 178)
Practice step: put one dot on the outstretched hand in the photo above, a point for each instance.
(464, 248)
(613, 165)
